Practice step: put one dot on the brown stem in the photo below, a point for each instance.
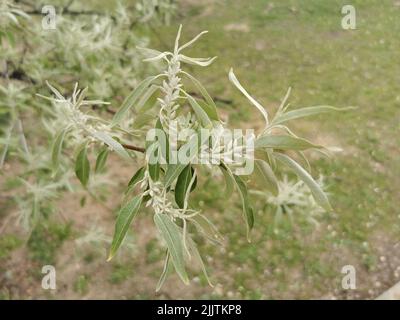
(131, 147)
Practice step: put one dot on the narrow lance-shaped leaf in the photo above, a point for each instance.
(196, 254)
(203, 62)
(305, 160)
(271, 160)
(200, 113)
(82, 166)
(283, 105)
(154, 171)
(319, 195)
(101, 160)
(166, 269)
(209, 110)
(305, 112)
(138, 176)
(178, 36)
(112, 143)
(131, 99)
(142, 119)
(173, 171)
(207, 228)
(264, 171)
(154, 161)
(172, 236)
(247, 209)
(229, 180)
(57, 147)
(124, 219)
(236, 82)
(192, 185)
(55, 91)
(145, 97)
(284, 142)
(187, 44)
(182, 185)
(212, 112)
(151, 54)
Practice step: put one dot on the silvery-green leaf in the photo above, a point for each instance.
(319, 195)
(182, 185)
(141, 105)
(212, 108)
(82, 96)
(247, 209)
(209, 110)
(124, 219)
(187, 44)
(12, 17)
(236, 82)
(159, 57)
(283, 103)
(101, 160)
(166, 269)
(21, 13)
(229, 180)
(172, 236)
(188, 151)
(200, 113)
(264, 171)
(203, 62)
(178, 36)
(57, 147)
(151, 54)
(305, 160)
(191, 187)
(305, 112)
(284, 142)
(164, 146)
(82, 166)
(131, 99)
(112, 143)
(55, 91)
(207, 228)
(138, 176)
(142, 119)
(196, 255)
(154, 171)
(154, 168)
(173, 171)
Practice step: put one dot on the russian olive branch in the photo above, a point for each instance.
(166, 187)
